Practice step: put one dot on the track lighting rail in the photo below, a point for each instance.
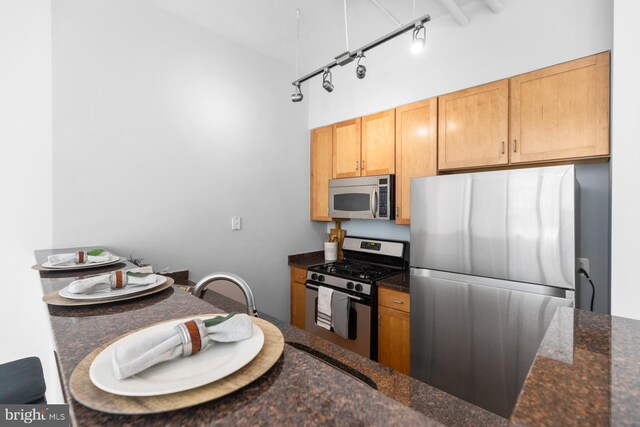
(340, 60)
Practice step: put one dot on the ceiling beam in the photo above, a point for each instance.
(496, 6)
(386, 12)
(456, 12)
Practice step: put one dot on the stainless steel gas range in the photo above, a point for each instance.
(366, 261)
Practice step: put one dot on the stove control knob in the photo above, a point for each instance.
(314, 276)
(321, 278)
(359, 287)
(350, 285)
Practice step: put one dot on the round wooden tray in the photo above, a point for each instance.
(89, 395)
(54, 298)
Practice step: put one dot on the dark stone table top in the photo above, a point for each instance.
(301, 389)
(586, 372)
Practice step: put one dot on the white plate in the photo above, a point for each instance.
(111, 294)
(184, 373)
(112, 260)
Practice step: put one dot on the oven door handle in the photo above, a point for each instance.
(310, 286)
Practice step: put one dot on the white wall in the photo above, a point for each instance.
(526, 36)
(625, 204)
(162, 132)
(25, 174)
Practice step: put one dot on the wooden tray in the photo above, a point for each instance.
(54, 298)
(89, 395)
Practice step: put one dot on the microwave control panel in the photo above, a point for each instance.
(384, 197)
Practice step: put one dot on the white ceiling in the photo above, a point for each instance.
(269, 26)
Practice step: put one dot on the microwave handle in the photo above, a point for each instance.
(374, 202)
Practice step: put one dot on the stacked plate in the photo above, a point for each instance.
(215, 362)
(112, 260)
(109, 294)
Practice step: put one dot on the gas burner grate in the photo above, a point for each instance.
(355, 270)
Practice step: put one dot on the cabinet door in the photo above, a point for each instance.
(473, 127)
(346, 149)
(298, 295)
(379, 143)
(394, 339)
(416, 150)
(561, 112)
(321, 172)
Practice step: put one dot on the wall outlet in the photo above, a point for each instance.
(583, 263)
(235, 223)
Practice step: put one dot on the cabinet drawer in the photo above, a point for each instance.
(298, 275)
(393, 299)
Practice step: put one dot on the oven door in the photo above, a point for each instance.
(359, 328)
(358, 201)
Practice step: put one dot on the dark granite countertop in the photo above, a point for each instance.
(306, 260)
(586, 372)
(300, 389)
(398, 282)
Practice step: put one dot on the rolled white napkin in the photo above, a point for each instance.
(115, 280)
(184, 340)
(80, 257)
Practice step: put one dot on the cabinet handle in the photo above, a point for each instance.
(397, 211)
(357, 162)
(363, 168)
(515, 145)
(397, 301)
(502, 147)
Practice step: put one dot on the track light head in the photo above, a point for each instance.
(327, 80)
(297, 95)
(419, 39)
(361, 69)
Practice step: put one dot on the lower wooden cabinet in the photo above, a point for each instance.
(394, 330)
(298, 295)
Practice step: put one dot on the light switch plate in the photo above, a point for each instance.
(235, 223)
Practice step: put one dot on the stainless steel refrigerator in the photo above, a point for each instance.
(492, 256)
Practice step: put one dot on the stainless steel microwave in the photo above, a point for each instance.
(367, 197)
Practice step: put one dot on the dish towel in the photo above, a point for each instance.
(183, 340)
(80, 257)
(323, 318)
(340, 308)
(119, 279)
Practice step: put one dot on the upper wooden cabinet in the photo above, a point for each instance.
(321, 172)
(378, 144)
(561, 112)
(346, 149)
(473, 127)
(416, 150)
(365, 146)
